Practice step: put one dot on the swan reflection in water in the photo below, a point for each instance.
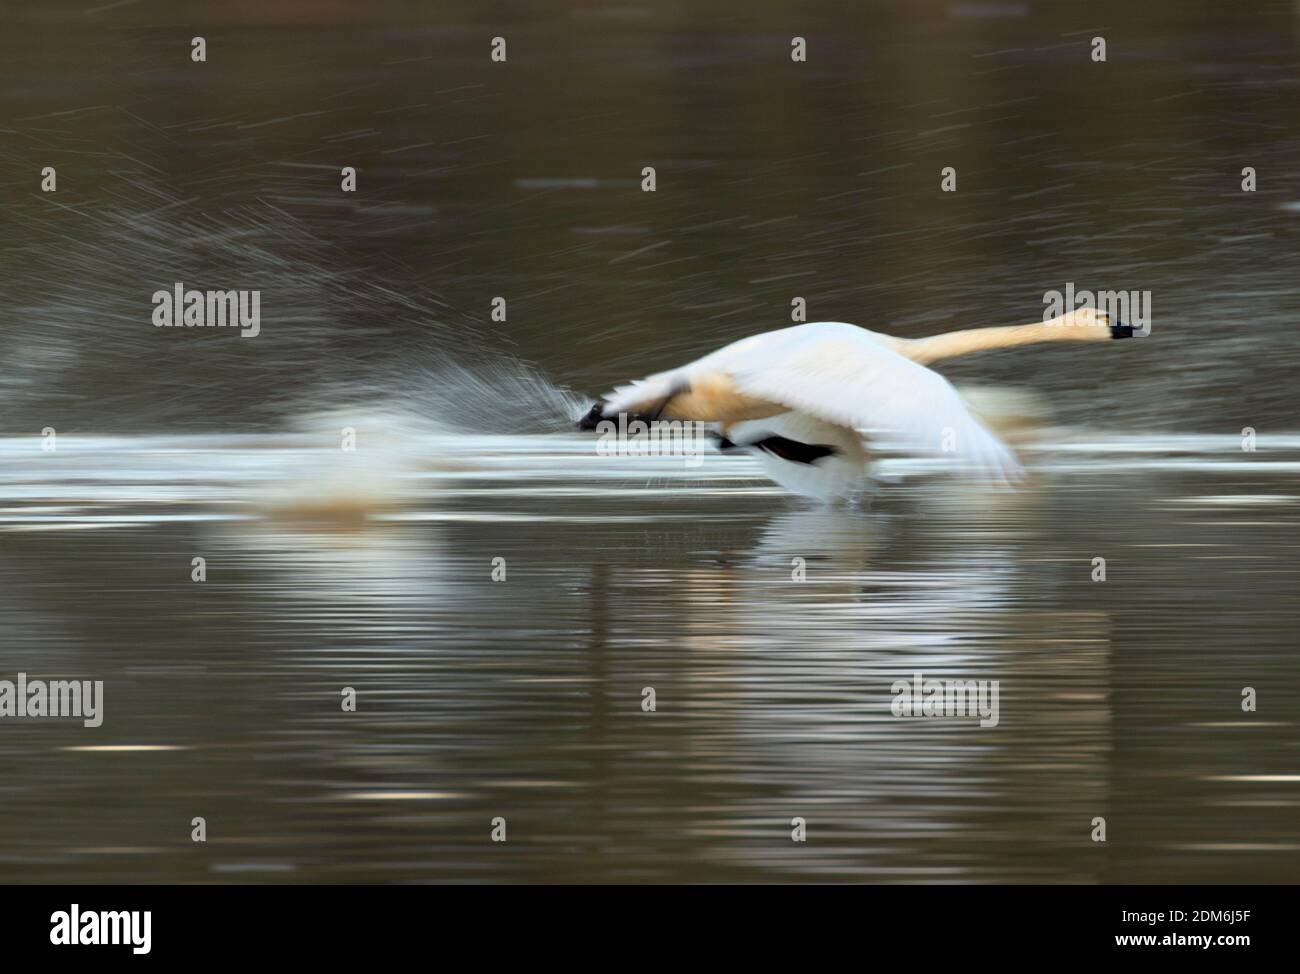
(772, 694)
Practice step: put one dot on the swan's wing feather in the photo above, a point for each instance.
(853, 381)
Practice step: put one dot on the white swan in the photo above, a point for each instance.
(802, 399)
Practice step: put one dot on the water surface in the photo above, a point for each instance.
(522, 698)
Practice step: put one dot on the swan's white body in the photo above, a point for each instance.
(835, 384)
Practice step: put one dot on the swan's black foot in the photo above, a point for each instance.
(780, 446)
(596, 415)
(793, 450)
(591, 419)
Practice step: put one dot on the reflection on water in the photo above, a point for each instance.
(522, 698)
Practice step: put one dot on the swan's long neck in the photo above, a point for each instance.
(971, 340)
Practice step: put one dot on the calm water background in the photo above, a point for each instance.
(522, 698)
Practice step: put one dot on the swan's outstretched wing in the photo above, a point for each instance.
(842, 375)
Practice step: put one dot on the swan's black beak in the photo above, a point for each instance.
(591, 419)
(1122, 330)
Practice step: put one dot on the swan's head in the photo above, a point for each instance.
(1095, 324)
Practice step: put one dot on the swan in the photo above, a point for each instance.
(803, 399)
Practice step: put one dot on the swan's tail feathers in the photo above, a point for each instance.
(644, 399)
(644, 395)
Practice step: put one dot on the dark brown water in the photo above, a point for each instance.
(522, 698)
